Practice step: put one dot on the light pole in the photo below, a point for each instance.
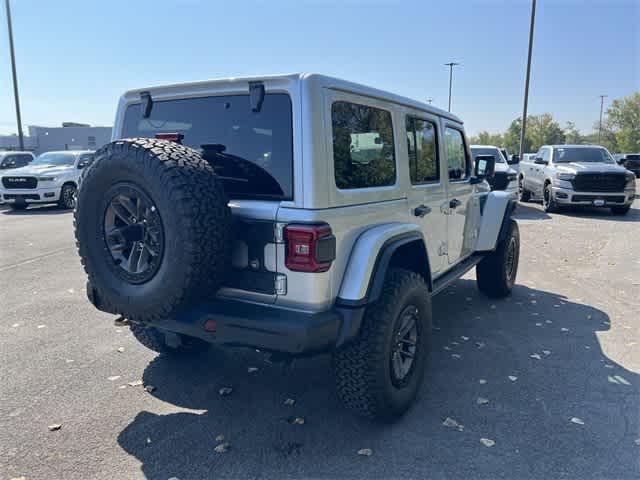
(602, 97)
(526, 82)
(15, 77)
(450, 65)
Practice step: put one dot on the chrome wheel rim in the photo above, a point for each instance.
(133, 234)
(404, 346)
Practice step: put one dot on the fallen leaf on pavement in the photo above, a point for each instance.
(451, 423)
(296, 420)
(113, 378)
(365, 452)
(54, 427)
(120, 349)
(135, 383)
(536, 356)
(487, 442)
(41, 326)
(222, 448)
(15, 325)
(546, 352)
(577, 420)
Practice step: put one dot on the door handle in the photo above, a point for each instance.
(421, 210)
(455, 203)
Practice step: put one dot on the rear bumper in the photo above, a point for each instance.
(565, 196)
(265, 327)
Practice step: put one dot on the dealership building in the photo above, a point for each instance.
(70, 136)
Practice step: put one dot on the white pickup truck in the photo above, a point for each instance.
(51, 178)
(576, 175)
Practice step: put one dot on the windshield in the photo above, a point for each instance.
(251, 151)
(488, 151)
(58, 159)
(581, 154)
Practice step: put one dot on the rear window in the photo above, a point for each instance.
(251, 151)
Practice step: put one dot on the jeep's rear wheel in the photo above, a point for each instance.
(378, 374)
(156, 340)
(152, 228)
(496, 273)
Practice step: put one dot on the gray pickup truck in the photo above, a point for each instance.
(576, 175)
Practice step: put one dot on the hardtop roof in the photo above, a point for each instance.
(324, 80)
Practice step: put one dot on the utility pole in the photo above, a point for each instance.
(15, 77)
(526, 82)
(602, 97)
(450, 65)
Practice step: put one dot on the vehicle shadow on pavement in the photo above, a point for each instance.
(44, 210)
(525, 211)
(531, 404)
(633, 215)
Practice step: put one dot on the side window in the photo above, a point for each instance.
(7, 160)
(423, 151)
(457, 160)
(23, 160)
(546, 154)
(363, 149)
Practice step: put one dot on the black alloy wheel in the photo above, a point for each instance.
(133, 233)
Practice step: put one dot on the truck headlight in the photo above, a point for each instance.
(565, 176)
(46, 179)
(631, 181)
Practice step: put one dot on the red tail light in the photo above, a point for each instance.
(172, 137)
(310, 248)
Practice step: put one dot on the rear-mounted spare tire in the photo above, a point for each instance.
(152, 228)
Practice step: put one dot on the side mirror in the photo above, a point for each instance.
(484, 166)
(541, 161)
(620, 161)
(514, 160)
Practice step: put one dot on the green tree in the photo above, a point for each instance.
(486, 138)
(623, 120)
(541, 130)
(572, 134)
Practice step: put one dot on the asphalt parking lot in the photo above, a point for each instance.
(558, 362)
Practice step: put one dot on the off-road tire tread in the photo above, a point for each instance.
(490, 273)
(356, 385)
(204, 219)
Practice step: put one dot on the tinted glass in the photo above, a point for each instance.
(475, 151)
(423, 151)
(363, 150)
(86, 159)
(589, 155)
(56, 159)
(251, 151)
(457, 162)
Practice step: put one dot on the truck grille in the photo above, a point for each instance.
(19, 182)
(599, 182)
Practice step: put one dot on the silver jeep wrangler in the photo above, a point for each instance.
(295, 214)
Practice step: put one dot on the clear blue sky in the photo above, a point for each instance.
(75, 57)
